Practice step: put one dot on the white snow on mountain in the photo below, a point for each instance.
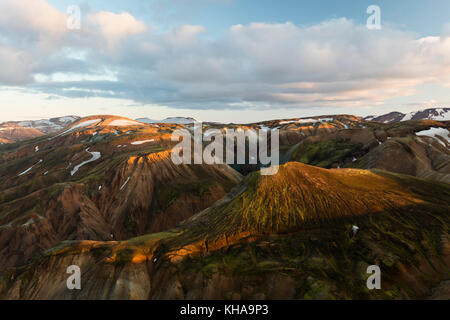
(436, 133)
(309, 120)
(177, 120)
(142, 142)
(123, 186)
(30, 168)
(83, 124)
(408, 116)
(95, 156)
(124, 123)
(442, 114)
(49, 125)
(438, 114)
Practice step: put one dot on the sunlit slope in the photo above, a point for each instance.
(300, 194)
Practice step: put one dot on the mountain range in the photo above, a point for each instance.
(102, 193)
(441, 114)
(13, 131)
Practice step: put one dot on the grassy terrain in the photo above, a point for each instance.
(325, 154)
(328, 262)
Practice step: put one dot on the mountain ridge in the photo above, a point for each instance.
(440, 114)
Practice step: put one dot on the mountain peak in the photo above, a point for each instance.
(439, 114)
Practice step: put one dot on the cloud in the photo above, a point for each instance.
(262, 65)
(16, 66)
(114, 27)
(32, 22)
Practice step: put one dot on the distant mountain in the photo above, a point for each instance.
(49, 125)
(178, 120)
(440, 114)
(14, 131)
(11, 132)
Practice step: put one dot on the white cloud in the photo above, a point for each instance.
(115, 27)
(35, 22)
(334, 63)
(16, 66)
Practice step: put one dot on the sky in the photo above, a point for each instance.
(221, 60)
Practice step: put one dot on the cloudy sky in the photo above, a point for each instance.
(221, 60)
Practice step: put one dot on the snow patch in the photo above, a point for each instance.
(29, 169)
(408, 116)
(95, 156)
(178, 120)
(142, 142)
(443, 115)
(67, 119)
(299, 121)
(309, 120)
(434, 133)
(28, 223)
(123, 186)
(123, 123)
(83, 124)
